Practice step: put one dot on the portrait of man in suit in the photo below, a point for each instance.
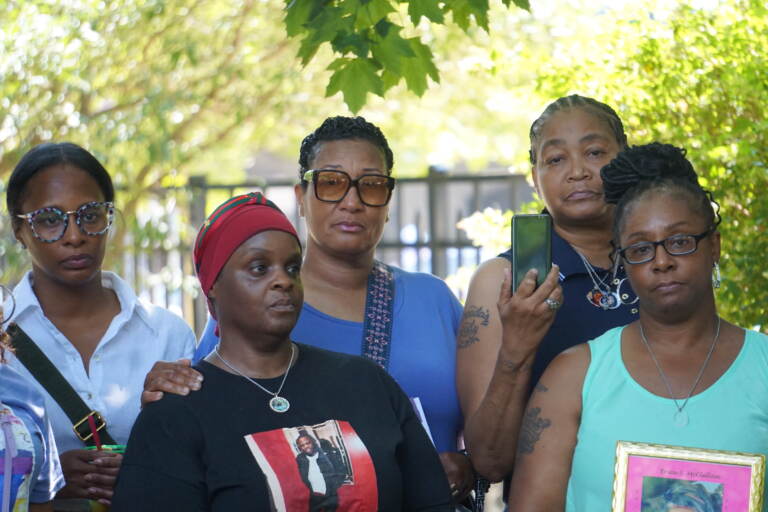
(321, 470)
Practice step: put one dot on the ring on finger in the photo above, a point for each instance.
(553, 304)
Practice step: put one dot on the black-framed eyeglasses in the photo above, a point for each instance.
(331, 186)
(676, 245)
(50, 223)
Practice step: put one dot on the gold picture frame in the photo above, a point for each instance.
(642, 470)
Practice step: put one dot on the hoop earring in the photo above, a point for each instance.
(7, 292)
(716, 281)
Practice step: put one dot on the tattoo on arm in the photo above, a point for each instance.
(540, 388)
(530, 431)
(474, 318)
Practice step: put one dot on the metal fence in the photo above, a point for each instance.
(421, 234)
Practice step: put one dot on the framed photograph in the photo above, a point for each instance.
(661, 478)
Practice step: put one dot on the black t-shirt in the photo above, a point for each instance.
(223, 449)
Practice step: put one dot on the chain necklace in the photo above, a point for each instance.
(680, 418)
(276, 403)
(600, 295)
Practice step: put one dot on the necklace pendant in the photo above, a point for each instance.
(680, 419)
(609, 301)
(603, 299)
(279, 404)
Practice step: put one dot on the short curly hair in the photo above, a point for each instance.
(342, 128)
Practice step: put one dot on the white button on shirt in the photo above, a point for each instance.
(137, 337)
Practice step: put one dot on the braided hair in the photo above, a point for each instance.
(343, 128)
(639, 170)
(574, 101)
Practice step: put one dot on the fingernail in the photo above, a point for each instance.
(184, 391)
(88, 477)
(195, 385)
(199, 378)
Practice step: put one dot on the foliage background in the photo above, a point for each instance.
(161, 91)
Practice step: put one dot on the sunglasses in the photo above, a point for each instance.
(49, 224)
(332, 186)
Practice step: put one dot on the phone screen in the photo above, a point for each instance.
(531, 247)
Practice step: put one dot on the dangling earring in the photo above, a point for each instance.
(716, 276)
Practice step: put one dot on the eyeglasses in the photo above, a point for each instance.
(49, 224)
(332, 186)
(677, 245)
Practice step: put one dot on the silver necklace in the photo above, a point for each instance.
(680, 418)
(276, 403)
(600, 295)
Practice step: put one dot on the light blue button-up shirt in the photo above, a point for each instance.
(137, 337)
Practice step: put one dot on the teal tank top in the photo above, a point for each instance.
(732, 414)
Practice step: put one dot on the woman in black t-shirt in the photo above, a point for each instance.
(278, 425)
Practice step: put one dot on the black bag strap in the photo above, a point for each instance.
(44, 371)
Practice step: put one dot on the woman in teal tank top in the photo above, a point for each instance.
(680, 375)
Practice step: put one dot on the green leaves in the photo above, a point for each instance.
(354, 78)
(365, 37)
(429, 9)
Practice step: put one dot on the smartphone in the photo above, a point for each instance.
(531, 247)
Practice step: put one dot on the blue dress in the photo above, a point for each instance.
(26, 438)
(423, 347)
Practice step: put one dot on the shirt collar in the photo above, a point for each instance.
(26, 300)
(566, 257)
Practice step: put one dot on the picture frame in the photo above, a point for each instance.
(653, 477)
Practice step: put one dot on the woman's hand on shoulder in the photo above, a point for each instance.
(89, 474)
(177, 377)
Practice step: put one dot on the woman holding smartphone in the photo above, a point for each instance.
(506, 340)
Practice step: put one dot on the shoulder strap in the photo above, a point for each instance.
(86, 423)
(379, 312)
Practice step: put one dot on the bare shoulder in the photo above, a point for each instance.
(562, 382)
(570, 367)
(488, 277)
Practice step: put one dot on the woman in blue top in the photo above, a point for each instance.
(680, 375)
(345, 188)
(30, 473)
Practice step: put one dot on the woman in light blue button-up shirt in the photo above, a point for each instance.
(89, 323)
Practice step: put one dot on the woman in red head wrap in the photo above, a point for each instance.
(278, 425)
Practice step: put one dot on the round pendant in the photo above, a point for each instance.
(610, 301)
(680, 419)
(279, 404)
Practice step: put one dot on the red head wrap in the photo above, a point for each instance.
(232, 223)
